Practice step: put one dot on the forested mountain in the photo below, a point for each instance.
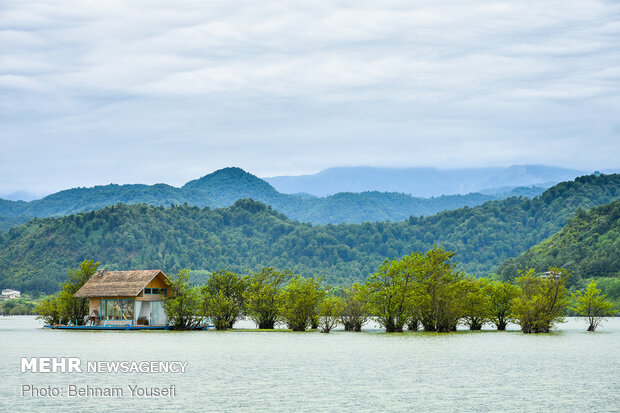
(248, 235)
(589, 245)
(423, 182)
(224, 187)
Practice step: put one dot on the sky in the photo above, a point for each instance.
(147, 91)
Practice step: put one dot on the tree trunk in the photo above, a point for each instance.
(266, 325)
(475, 325)
(530, 330)
(393, 329)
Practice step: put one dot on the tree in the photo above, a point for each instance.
(438, 291)
(542, 300)
(64, 307)
(182, 305)
(501, 296)
(262, 298)
(593, 305)
(508, 270)
(389, 292)
(329, 313)
(47, 310)
(223, 296)
(353, 313)
(477, 306)
(71, 308)
(300, 300)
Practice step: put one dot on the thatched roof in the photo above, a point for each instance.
(117, 283)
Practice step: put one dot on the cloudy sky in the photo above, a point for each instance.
(93, 92)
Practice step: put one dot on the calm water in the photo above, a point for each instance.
(566, 371)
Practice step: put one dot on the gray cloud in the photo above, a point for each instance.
(149, 91)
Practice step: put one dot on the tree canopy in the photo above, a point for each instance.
(593, 305)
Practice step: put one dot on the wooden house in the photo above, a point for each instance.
(126, 297)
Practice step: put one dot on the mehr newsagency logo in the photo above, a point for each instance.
(74, 365)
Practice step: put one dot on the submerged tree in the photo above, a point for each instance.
(182, 305)
(477, 305)
(329, 313)
(439, 291)
(353, 312)
(593, 305)
(299, 302)
(389, 292)
(542, 300)
(262, 298)
(501, 295)
(223, 298)
(419, 288)
(47, 310)
(64, 307)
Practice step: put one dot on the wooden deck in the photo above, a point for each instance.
(118, 327)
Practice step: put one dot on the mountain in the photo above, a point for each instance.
(227, 185)
(20, 196)
(224, 187)
(423, 182)
(247, 235)
(588, 245)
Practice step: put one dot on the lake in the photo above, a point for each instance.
(569, 370)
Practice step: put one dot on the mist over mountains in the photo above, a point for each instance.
(424, 182)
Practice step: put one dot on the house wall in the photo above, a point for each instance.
(93, 304)
(157, 282)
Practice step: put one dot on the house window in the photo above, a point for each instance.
(161, 291)
(117, 309)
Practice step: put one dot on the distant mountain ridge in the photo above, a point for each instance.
(225, 186)
(424, 182)
(248, 235)
(20, 196)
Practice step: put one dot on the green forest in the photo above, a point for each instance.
(588, 246)
(250, 235)
(224, 187)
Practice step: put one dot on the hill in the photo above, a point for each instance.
(588, 245)
(423, 182)
(224, 187)
(249, 234)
